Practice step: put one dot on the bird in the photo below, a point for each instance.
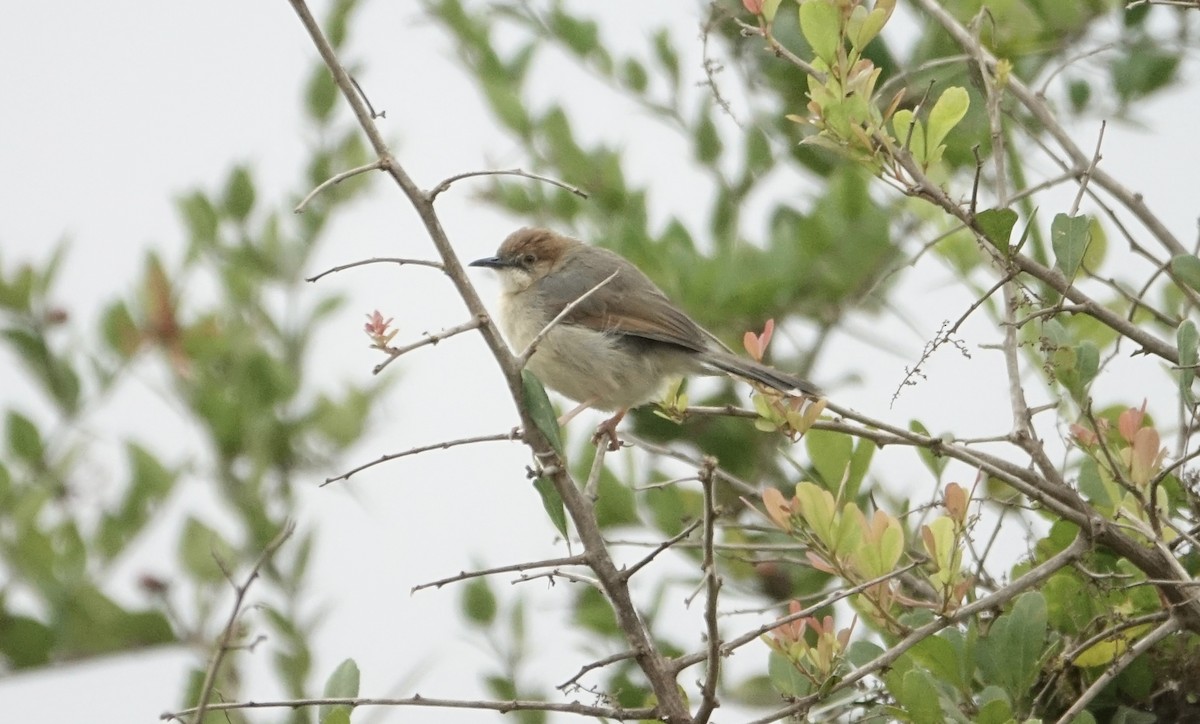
(621, 340)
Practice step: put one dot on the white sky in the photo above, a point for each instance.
(109, 110)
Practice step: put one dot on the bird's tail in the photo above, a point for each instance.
(761, 373)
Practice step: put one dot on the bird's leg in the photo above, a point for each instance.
(567, 416)
(608, 429)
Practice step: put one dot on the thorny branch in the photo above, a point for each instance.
(670, 707)
(228, 638)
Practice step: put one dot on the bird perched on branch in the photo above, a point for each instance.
(605, 335)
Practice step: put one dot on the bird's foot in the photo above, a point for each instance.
(608, 429)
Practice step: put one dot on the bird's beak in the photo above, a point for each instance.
(491, 262)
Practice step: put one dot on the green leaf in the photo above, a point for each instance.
(200, 217)
(997, 226)
(1097, 247)
(759, 158)
(337, 24)
(919, 696)
(708, 141)
(910, 133)
(996, 711)
(540, 409)
(24, 440)
(769, 8)
(54, 372)
(120, 331)
(593, 612)
(819, 23)
(830, 454)
(1144, 69)
(25, 642)
(950, 108)
(320, 94)
(507, 105)
(934, 462)
(1187, 339)
(615, 503)
(862, 652)
(200, 547)
(552, 502)
(944, 659)
(341, 684)
(633, 75)
(1009, 656)
(239, 194)
(784, 676)
(1186, 268)
(667, 56)
(860, 465)
(1069, 237)
(478, 602)
(150, 482)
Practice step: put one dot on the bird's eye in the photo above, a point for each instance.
(528, 260)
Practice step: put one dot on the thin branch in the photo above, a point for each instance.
(537, 339)
(627, 573)
(1091, 169)
(395, 352)
(376, 260)
(780, 51)
(334, 180)
(445, 445)
(1034, 577)
(592, 486)
(513, 567)
(654, 665)
(708, 691)
(447, 183)
(946, 336)
(1071, 61)
(504, 707)
(225, 643)
(1038, 108)
(556, 573)
(736, 643)
(599, 663)
(1143, 645)
(743, 486)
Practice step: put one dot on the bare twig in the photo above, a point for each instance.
(447, 183)
(1071, 61)
(225, 643)
(627, 573)
(375, 260)
(1091, 169)
(527, 565)
(708, 691)
(444, 445)
(599, 663)
(733, 644)
(334, 180)
(537, 339)
(743, 486)
(671, 707)
(601, 712)
(428, 339)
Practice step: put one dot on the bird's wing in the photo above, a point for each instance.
(630, 304)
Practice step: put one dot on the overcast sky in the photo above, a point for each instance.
(111, 109)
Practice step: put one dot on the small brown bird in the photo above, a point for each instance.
(619, 346)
